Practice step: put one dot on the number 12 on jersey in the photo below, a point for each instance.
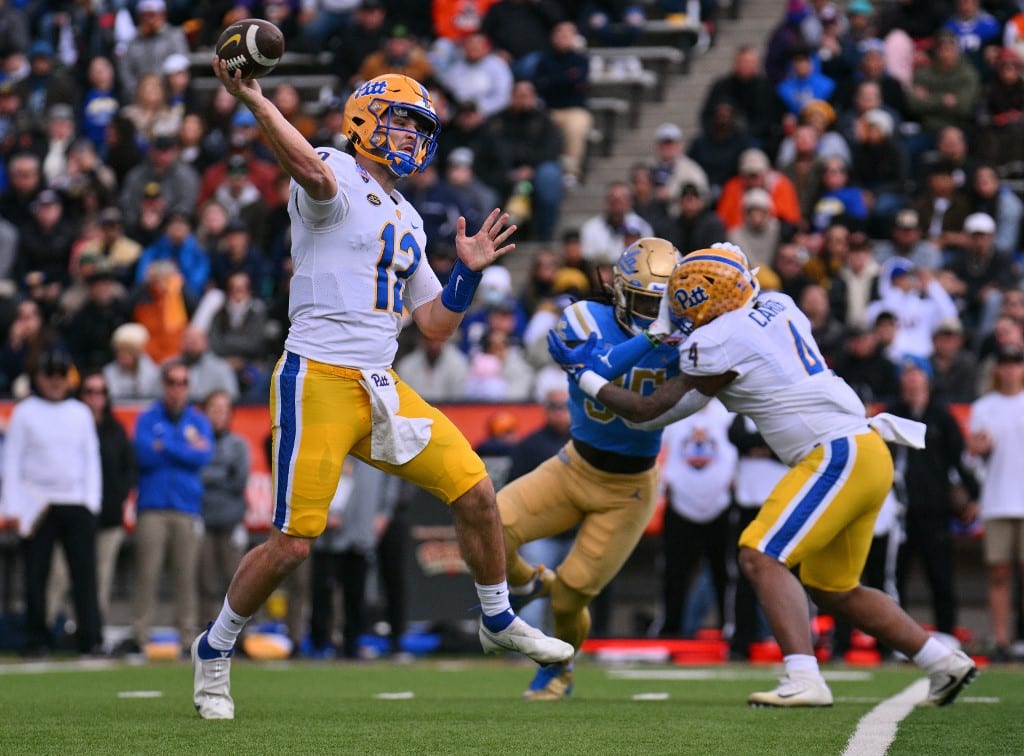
(393, 269)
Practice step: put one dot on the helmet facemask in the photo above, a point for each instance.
(639, 278)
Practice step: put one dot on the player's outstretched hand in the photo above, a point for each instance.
(486, 245)
(246, 90)
(575, 360)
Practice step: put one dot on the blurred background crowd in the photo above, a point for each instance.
(868, 156)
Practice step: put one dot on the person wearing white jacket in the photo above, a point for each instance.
(917, 300)
(52, 486)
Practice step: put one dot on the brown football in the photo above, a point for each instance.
(251, 45)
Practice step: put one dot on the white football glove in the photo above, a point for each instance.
(730, 247)
(666, 329)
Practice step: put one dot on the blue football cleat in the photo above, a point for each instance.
(551, 683)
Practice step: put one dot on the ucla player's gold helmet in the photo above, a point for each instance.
(368, 122)
(709, 283)
(639, 279)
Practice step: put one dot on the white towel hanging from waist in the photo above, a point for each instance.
(899, 430)
(393, 438)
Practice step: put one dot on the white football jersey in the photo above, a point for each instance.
(358, 261)
(782, 383)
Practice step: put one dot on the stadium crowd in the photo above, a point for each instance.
(868, 159)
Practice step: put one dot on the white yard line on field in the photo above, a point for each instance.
(877, 729)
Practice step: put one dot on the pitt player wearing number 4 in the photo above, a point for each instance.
(358, 259)
(605, 479)
(755, 352)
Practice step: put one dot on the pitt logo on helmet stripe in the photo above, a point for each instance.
(372, 87)
(693, 298)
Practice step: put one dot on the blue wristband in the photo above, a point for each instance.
(458, 293)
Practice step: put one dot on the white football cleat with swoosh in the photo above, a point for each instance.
(947, 677)
(799, 688)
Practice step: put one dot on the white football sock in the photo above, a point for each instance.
(225, 629)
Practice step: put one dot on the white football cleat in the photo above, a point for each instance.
(211, 691)
(801, 688)
(947, 677)
(525, 639)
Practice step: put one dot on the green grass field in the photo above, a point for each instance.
(473, 706)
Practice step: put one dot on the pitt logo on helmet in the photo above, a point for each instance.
(709, 283)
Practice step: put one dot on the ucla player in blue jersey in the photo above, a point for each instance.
(604, 480)
(756, 354)
(357, 250)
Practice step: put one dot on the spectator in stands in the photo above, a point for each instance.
(115, 251)
(437, 203)
(983, 272)
(45, 243)
(173, 442)
(240, 197)
(863, 364)
(181, 96)
(616, 23)
(436, 369)
(941, 208)
(871, 69)
(906, 241)
(206, 371)
(224, 478)
(838, 199)
(646, 201)
(803, 82)
(975, 30)
(672, 168)
(951, 148)
(820, 116)
(154, 42)
(44, 84)
(469, 128)
(828, 48)
(89, 331)
(60, 133)
(453, 21)
(160, 305)
(495, 307)
(244, 140)
(532, 145)
(880, 166)
(120, 474)
(750, 94)
(15, 34)
(1007, 333)
(694, 225)
(827, 331)
(919, 303)
(401, 53)
(857, 280)
(946, 91)
(473, 194)
(787, 37)
(52, 486)
(562, 78)
(238, 334)
(995, 429)
(178, 244)
(178, 183)
(520, 29)
(479, 75)
(954, 368)
(121, 151)
(718, 148)
(24, 182)
(603, 236)
(100, 104)
(923, 485)
(755, 170)
(236, 252)
(356, 42)
(287, 99)
(149, 110)
(87, 184)
(498, 371)
(759, 234)
(1004, 111)
(132, 374)
(790, 259)
(995, 198)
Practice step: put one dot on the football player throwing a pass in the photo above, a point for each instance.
(357, 247)
(755, 352)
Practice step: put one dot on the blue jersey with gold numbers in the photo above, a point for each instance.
(592, 422)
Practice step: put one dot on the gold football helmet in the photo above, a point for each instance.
(709, 283)
(639, 278)
(368, 122)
